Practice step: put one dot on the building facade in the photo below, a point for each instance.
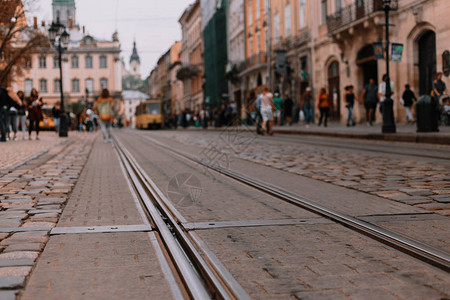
(191, 69)
(88, 65)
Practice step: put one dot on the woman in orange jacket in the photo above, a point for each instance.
(324, 106)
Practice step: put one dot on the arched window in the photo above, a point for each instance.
(43, 85)
(90, 85)
(75, 85)
(333, 70)
(56, 86)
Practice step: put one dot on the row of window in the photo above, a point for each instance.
(56, 85)
(88, 62)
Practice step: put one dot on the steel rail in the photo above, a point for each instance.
(405, 244)
(181, 247)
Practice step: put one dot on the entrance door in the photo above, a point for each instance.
(334, 90)
(427, 61)
(368, 64)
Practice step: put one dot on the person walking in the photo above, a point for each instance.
(56, 112)
(350, 100)
(13, 121)
(324, 106)
(21, 113)
(439, 87)
(278, 103)
(308, 106)
(34, 106)
(369, 98)
(267, 108)
(288, 104)
(104, 106)
(382, 92)
(407, 100)
(7, 99)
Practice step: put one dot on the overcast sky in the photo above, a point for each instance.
(154, 24)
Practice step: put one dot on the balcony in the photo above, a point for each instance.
(187, 71)
(257, 59)
(352, 13)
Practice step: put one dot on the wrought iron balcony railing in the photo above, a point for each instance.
(257, 59)
(355, 12)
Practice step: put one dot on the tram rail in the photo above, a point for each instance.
(402, 243)
(202, 276)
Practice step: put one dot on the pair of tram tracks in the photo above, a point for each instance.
(201, 275)
(407, 245)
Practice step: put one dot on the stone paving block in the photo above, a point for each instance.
(50, 200)
(44, 211)
(23, 247)
(11, 282)
(33, 237)
(17, 263)
(19, 255)
(15, 271)
(442, 198)
(39, 224)
(8, 295)
(313, 295)
(369, 294)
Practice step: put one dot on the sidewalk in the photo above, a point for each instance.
(405, 132)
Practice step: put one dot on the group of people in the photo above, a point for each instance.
(17, 109)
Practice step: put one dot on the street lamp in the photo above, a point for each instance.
(59, 37)
(388, 111)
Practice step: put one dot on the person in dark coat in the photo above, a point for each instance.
(408, 99)
(287, 108)
(8, 99)
(34, 106)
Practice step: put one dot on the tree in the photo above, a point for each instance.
(17, 40)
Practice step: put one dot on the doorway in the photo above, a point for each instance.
(334, 90)
(367, 62)
(427, 61)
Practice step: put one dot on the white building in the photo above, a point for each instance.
(132, 99)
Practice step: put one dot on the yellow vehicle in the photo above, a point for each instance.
(149, 114)
(47, 123)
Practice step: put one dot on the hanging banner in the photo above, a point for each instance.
(446, 63)
(396, 52)
(378, 50)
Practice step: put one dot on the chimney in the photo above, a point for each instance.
(35, 23)
(84, 30)
(70, 23)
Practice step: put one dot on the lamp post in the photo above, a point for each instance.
(388, 111)
(60, 39)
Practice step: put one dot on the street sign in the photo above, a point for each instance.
(396, 52)
(378, 50)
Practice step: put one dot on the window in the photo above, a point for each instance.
(338, 5)
(27, 63)
(103, 62)
(90, 85)
(104, 83)
(88, 62)
(75, 85)
(43, 85)
(302, 13)
(56, 87)
(276, 21)
(287, 20)
(42, 62)
(55, 62)
(257, 9)
(28, 86)
(74, 62)
(324, 11)
(250, 12)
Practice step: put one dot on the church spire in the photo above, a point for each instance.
(134, 55)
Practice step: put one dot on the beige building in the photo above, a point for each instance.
(329, 43)
(191, 69)
(88, 65)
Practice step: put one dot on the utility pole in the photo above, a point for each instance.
(269, 45)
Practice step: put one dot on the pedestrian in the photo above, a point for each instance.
(258, 116)
(7, 99)
(89, 120)
(267, 109)
(34, 106)
(278, 103)
(369, 97)
(407, 100)
(308, 106)
(324, 106)
(104, 107)
(13, 121)
(287, 107)
(382, 92)
(350, 100)
(439, 87)
(56, 112)
(21, 113)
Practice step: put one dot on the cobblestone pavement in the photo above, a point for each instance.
(14, 152)
(313, 260)
(31, 199)
(424, 183)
